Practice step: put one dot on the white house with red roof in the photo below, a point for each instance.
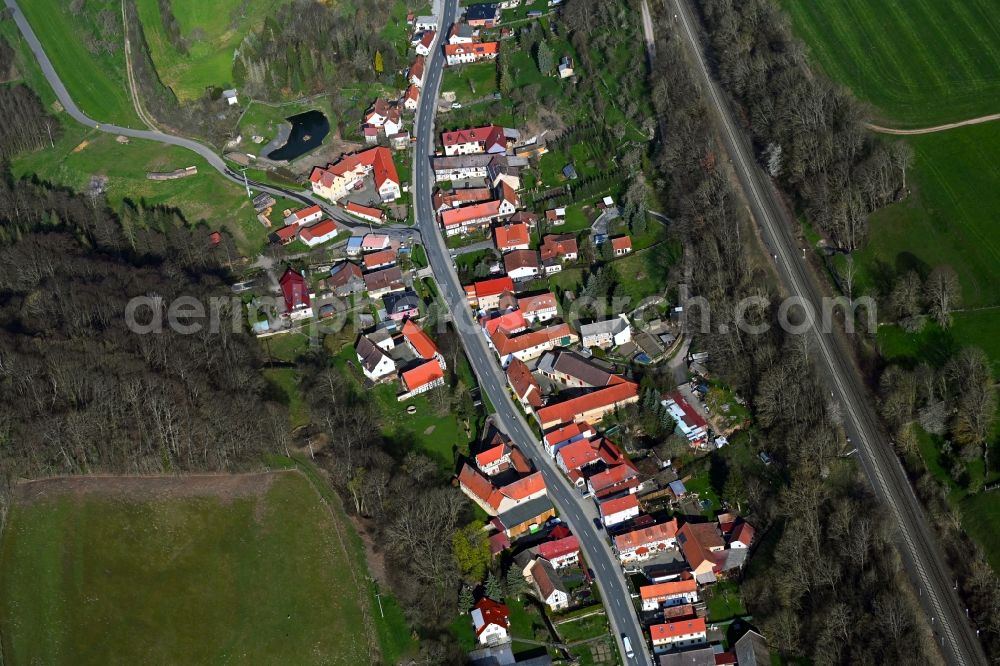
(678, 634)
(671, 593)
(613, 480)
(560, 553)
(384, 115)
(566, 434)
(485, 294)
(644, 543)
(494, 500)
(426, 42)
(461, 54)
(421, 344)
(590, 407)
(462, 220)
(491, 620)
(541, 307)
(305, 216)
(621, 245)
(411, 98)
(336, 180)
(296, 294)
(618, 510)
(376, 215)
(688, 422)
(415, 75)
(495, 459)
(488, 139)
(318, 233)
(742, 536)
(420, 379)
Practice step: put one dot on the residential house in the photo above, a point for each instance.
(411, 98)
(565, 67)
(335, 180)
(614, 480)
(354, 244)
(618, 510)
(742, 536)
(549, 586)
(621, 245)
(345, 279)
(524, 385)
(607, 333)
(679, 634)
(368, 213)
(526, 516)
(296, 294)
(510, 237)
(382, 282)
(399, 141)
(580, 455)
(752, 650)
(590, 407)
(524, 217)
(483, 15)
(375, 242)
(688, 422)
(530, 344)
(560, 553)
(285, 235)
(305, 216)
(318, 233)
(556, 249)
(491, 620)
(485, 294)
(510, 323)
(699, 656)
(555, 217)
(415, 74)
(460, 221)
(574, 371)
(378, 260)
(461, 54)
(421, 344)
(495, 167)
(674, 593)
(489, 139)
(495, 459)
(401, 305)
(385, 116)
(462, 33)
(422, 378)
(541, 307)
(374, 362)
(702, 546)
(645, 542)
(230, 96)
(425, 23)
(426, 42)
(566, 434)
(445, 199)
(522, 265)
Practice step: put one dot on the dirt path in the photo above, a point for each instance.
(937, 128)
(132, 85)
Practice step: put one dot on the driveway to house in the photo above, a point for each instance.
(214, 159)
(577, 512)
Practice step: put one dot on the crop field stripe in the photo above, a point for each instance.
(982, 52)
(856, 21)
(986, 17)
(932, 28)
(909, 43)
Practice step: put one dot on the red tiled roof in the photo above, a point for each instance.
(390, 277)
(523, 383)
(612, 476)
(319, 229)
(493, 612)
(509, 345)
(511, 235)
(520, 259)
(419, 340)
(569, 410)
(480, 49)
(519, 461)
(480, 211)
(565, 432)
(305, 212)
(477, 484)
(743, 533)
(675, 629)
(492, 455)
(667, 589)
(499, 542)
(510, 323)
(558, 245)
(524, 487)
(493, 287)
(691, 417)
(553, 549)
(446, 198)
(287, 233)
(293, 287)
(379, 158)
(413, 92)
(489, 134)
(696, 540)
(376, 259)
(427, 38)
(621, 243)
(417, 68)
(613, 506)
(646, 535)
(423, 374)
(352, 207)
(537, 303)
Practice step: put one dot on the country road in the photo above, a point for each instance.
(577, 512)
(920, 552)
(937, 128)
(214, 159)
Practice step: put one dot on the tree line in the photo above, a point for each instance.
(79, 391)
(833, 591)
(809, 132)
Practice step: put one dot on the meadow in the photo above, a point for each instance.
(211, 31)
(192, 570)
(94, 78)
(918, 62)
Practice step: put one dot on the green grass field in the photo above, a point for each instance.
(920, 62)
(95, 80)
(190, 571)
(212, 31)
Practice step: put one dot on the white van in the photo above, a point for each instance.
(628, 647)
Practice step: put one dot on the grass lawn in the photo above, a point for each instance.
(634, 273)
(981, 519)
(285, 383)
(587, 627)
(182, 570)
(95, 80)
(921, 62)
(470, 82)
(211, 30)
(724, 602)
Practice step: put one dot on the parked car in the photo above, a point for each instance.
(598, 524)
(456, 105)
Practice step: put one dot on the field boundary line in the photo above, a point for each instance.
(936, 128)
(180, 475)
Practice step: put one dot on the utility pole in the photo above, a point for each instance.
(246, 183)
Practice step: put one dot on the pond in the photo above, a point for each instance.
(308, 131)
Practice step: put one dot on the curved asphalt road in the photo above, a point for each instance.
(573, 509)
(210, 156)
(916, 543)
